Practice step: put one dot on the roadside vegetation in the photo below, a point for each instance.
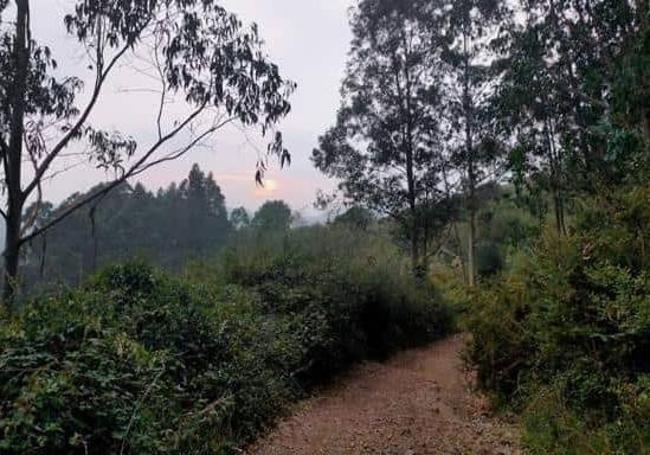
(139, 361)
(562, 334)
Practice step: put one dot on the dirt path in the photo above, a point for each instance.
(420, 402)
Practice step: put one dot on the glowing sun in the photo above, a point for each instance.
(270, 186)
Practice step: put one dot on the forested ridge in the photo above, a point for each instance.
(491, 161)
(187, 220)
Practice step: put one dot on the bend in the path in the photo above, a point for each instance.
(419, 402)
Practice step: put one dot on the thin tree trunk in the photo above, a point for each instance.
(415, 231)
(11, 257)
(555, 178)
(410, 172)
(471, 241)
(454, 224)
(425, 228)
(471, 172)
(562, 214)
(13, 155)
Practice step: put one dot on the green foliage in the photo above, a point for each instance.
(356, 217)
(503, 228)
(177, 223)
(272, 216)
(139, 362)
(552, 427)
(382, 148)
(239, 218)
(565, 333)
(202, 53)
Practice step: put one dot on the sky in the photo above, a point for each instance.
(308, 39)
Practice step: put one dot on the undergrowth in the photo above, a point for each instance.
(563, 334)
(137, 361)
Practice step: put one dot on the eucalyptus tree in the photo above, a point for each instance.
(581, 42)
(203, 56)
(273, 216)
(469, 28)
(239, 218)
(559, 93)
(530, 98)
(629, 132)
(385, 145)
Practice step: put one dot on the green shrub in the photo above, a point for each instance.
(574, 318)
(489, 260)
(139, 362)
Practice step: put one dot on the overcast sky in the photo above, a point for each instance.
(309, 39)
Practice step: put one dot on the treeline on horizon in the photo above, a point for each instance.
(186, 221)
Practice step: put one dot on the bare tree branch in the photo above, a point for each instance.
(101, 75)
(187, 148)
(135, 169)
(39, 201)
(163, 92)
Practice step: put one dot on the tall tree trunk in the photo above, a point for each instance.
(13, 154)
(410, 171)
(11, 256)
(471, 171)
(415, 225)
(471, 241)
(454, 224)
(555, 178)
(425, 228)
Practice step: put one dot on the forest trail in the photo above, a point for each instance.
(419, 402)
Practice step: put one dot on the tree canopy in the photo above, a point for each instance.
(385, 146)
(202, 56)
(184, 221)
(274, 216)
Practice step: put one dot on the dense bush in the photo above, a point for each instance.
(140, 362)
(504, 225)
(565, 334)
